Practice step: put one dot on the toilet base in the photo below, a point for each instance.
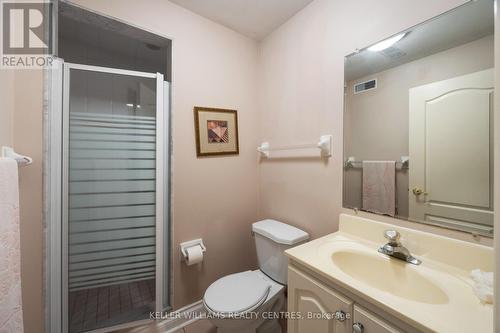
(259, 325)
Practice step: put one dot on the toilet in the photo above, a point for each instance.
(250, 301)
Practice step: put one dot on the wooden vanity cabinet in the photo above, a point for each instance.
(316, 307)
(307, 296)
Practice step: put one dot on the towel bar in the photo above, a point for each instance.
(324, 145)
(352, 163)
(22, 160)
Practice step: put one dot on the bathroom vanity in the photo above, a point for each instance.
(341, 283)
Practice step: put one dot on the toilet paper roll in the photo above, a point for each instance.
(194, 255)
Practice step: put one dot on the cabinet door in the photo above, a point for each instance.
(370, 323)
(312, 306)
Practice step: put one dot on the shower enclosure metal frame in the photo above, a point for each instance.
(56, 163)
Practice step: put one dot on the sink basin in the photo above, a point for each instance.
(390, 275)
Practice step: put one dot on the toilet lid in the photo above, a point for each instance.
(236, 293)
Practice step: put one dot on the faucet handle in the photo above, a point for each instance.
(393, 236)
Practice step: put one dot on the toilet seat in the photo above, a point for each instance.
(236, 293)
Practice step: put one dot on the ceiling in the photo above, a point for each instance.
(255, 19)
(465, 24)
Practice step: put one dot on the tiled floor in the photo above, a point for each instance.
(110, 305)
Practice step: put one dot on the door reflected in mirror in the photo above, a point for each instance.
(418, 129)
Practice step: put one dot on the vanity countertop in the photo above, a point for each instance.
(435, 296)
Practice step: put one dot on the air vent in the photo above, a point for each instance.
(364, 86)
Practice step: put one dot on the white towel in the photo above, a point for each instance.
(11, 315)
(483, 285)
(379, 187)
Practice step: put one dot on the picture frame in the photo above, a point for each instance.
(216, 131)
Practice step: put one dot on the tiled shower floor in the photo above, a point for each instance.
(110, 305)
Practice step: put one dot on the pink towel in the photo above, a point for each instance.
(379, 187)
(11, 315)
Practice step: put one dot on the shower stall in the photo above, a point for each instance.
(107, 197)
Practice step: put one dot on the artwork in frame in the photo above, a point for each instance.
(216, 131)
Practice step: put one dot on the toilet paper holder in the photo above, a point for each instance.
(191, 243)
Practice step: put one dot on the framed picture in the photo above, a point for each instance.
(216, 131)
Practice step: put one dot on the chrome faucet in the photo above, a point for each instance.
(395, 249)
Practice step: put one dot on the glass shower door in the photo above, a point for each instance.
(113, 197)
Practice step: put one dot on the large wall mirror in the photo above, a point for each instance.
(418, 127)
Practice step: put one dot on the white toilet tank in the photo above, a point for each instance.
(272, 238)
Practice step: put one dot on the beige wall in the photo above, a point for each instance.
(301, 66)
(376, 122)
(7, 107)
(28, 141)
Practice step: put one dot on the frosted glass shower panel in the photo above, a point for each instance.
(112, 191)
